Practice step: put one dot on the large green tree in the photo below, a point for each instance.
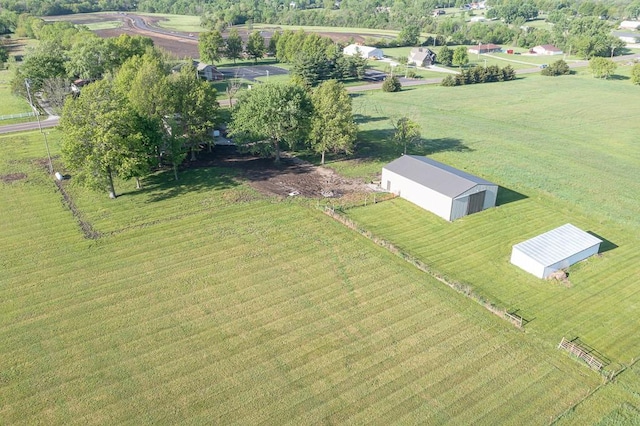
(88, 58)
(233, 47)
(211, 46)
(332, 125)
(272, 115)
(460, 56)
(103, 137)
(195, 109)
(255, 46)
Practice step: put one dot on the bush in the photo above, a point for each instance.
(391, 84)
(449, 81)
(559, 67)
(635, 74)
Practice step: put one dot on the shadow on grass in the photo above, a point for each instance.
(605, 245)
(362, 119)
(618, 77)
(379, 145)
(162, 186)
(506, 196)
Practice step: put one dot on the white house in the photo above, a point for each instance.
(448, 192)
(554, 250)
(366, 52)
(629, 25)
(546, 49)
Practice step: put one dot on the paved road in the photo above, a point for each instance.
(32, 125)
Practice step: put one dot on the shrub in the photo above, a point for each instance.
(635, 74)
(559, 67)
(391, 84)
(449, 81)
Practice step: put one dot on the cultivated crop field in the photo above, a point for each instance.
(203, 301)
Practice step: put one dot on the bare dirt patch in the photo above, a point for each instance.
(12, 177)
(292, 177)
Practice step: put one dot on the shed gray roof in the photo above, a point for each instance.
(558, 244)
(435, 175)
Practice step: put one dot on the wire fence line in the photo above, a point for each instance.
(20, 115)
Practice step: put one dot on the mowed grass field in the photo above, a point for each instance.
(564, 150)
(11, 104)
(205, 302)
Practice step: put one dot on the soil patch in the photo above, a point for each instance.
(85, 227)
(292, 177)
(12, 177)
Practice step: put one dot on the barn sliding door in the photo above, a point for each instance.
(476, 201)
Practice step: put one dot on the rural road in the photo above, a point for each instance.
(52, 121)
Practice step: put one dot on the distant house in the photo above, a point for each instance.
(629, 37)
(484, 48)
(448, 192)
(477, 19)
(629, 25)
(554, 250)
(438, 12)
(366, 52)
(78, 84)
(421, 57)
(547, 49)
(208, 72)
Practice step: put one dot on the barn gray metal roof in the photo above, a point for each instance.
(558, 244)
(435, 175)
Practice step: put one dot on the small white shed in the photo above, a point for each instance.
(448, 192)
(366, 52)
(554, 250)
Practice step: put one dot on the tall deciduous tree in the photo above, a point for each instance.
(255, 46)
(460, 56)
(407, 132)
(211, 46)
(88, 58)
(233, 48)
(102, 137)
(195, 108)
(275, 113)
(332, 125)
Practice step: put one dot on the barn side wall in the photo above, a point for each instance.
(419, 195)
(565, 263)
(459, 208)
(526, 263)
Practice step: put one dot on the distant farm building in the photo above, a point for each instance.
(421, 57)
(438, 12)
(485, 48)
(554, 250)
(448, 192)
(629, 25)
(366, 52)
(629, 37)
(477, 19)
(208, 72)
(546, 49)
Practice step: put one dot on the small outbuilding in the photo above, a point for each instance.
(554, 250)
(448, 192)
(366, 52)
(546, 49)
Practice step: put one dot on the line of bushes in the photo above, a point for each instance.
(480, 74)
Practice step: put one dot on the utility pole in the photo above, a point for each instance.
(35, 111)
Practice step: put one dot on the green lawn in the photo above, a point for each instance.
(104, 25)
(182, 23)
(205, 302)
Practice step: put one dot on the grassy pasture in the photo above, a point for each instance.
(11, 104)
(566, 150)
(205, 302)
(182, 23)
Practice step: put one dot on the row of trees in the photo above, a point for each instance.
(480, 74)
(135, 120)
(213, 46)
(276, 115)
